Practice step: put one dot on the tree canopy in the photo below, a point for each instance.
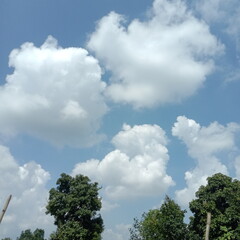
(160, 224)
(38, 234)
(74, 203)
(220, 197)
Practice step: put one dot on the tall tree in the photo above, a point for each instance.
(220, 197)
(74, 203)
(160, 224)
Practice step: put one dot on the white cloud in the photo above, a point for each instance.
(54, 94)
(27, 184)
(137, 167)
(108, 206)
(120, 232)
(163, 59)
(203, 144)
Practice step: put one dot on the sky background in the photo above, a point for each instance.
(141, 96)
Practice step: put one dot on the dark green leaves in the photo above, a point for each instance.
(74, 203)
(220, 197)
(38, 234)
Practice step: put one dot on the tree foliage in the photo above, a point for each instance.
(74, 203)
(160, 224)
(38, 234)
(220, 197)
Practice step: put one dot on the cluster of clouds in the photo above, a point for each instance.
(27, 184)
(138, 165)
(58, 95)
(136, 168)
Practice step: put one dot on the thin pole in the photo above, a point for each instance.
(5, 208)
(208, 226)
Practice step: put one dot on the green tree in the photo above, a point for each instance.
(74, 203)
(220, 197)
(160, 224)
(25, 235)
(38, 234)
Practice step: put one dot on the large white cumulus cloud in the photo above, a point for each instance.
(137, 167)
(163, 59)
(27, 184)
(54, 94)
(204, 145)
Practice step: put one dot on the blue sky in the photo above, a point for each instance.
(141, 96)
